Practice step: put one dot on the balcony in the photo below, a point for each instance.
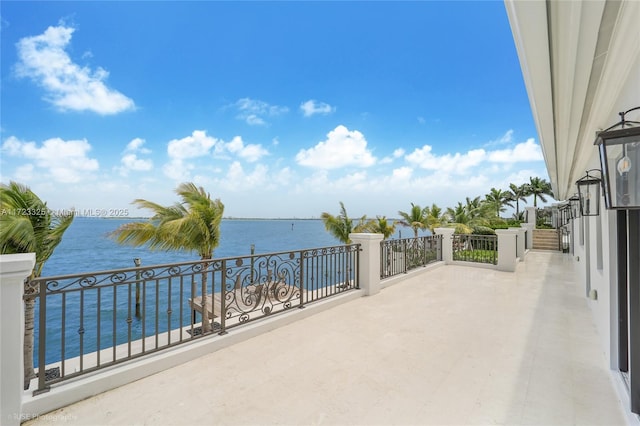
(445, 344)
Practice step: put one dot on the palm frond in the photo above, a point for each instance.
(192, 224)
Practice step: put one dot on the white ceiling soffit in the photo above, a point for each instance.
(575, 58)
(528, 21)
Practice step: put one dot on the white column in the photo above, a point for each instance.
(531, 215)
(369, 272)
(529, 227)
(14, 268)
(447, 243)
(506, 250)
(520, 242)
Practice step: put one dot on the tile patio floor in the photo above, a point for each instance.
(454, 345)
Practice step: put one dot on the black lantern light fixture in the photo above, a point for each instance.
(589, 193)
(574, 202)
(565, 213)
(620, 162)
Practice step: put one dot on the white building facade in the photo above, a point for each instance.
(581, 66)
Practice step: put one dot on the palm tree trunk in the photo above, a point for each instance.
(206, 326)
(29, 315)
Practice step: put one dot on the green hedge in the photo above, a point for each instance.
(483, 230)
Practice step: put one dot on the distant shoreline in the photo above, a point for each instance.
(224, 218)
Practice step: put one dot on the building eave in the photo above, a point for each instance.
(577, 60)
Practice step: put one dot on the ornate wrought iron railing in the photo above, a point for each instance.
(400, 256)
(91, 321)
(475, 248)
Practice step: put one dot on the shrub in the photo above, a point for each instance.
(496, 222)
(483, 230)
(501, 226)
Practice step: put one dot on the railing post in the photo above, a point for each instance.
(529, 227)
(405, 256)
(531, 215)
(14, 269)
(369, 271)
(223, 298)
(447, 241)
(520, 242)
(506, 250)
(303, 286)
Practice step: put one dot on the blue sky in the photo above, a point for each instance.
(280, 109)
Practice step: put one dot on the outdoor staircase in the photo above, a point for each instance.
(546, 239)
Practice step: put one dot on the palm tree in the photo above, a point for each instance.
(416, 218)
(496, 199)
(464, 216)
(517, 194)
(381, 225)
(459, 218)
(28, 226)
(191, 225)
(539, 188)
(476, 208)
(341, 226)
(436, 217)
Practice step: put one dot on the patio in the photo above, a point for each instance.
(452, 345)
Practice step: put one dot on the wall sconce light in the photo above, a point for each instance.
(589, 194)
(620, 162)
(574, 202)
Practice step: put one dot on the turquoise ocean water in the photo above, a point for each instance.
(86, 246)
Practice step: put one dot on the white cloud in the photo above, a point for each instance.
(237, 179)
(253, 120)
(25, 173)
(456, 163)
(463, 163)
(68, 86)
(178, 170)
(342, 148)
(196, 145)
(63, 161)
(136, 146)
(402, 173)
(396, 154)
(522, 152)
(250, 153)
(313, 107)
(254, 111)
(130, 160)
(283, 177)
(505, 139)
(356, 181)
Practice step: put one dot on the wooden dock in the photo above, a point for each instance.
(253, 294)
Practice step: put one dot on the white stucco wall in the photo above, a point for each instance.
(605, 310)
